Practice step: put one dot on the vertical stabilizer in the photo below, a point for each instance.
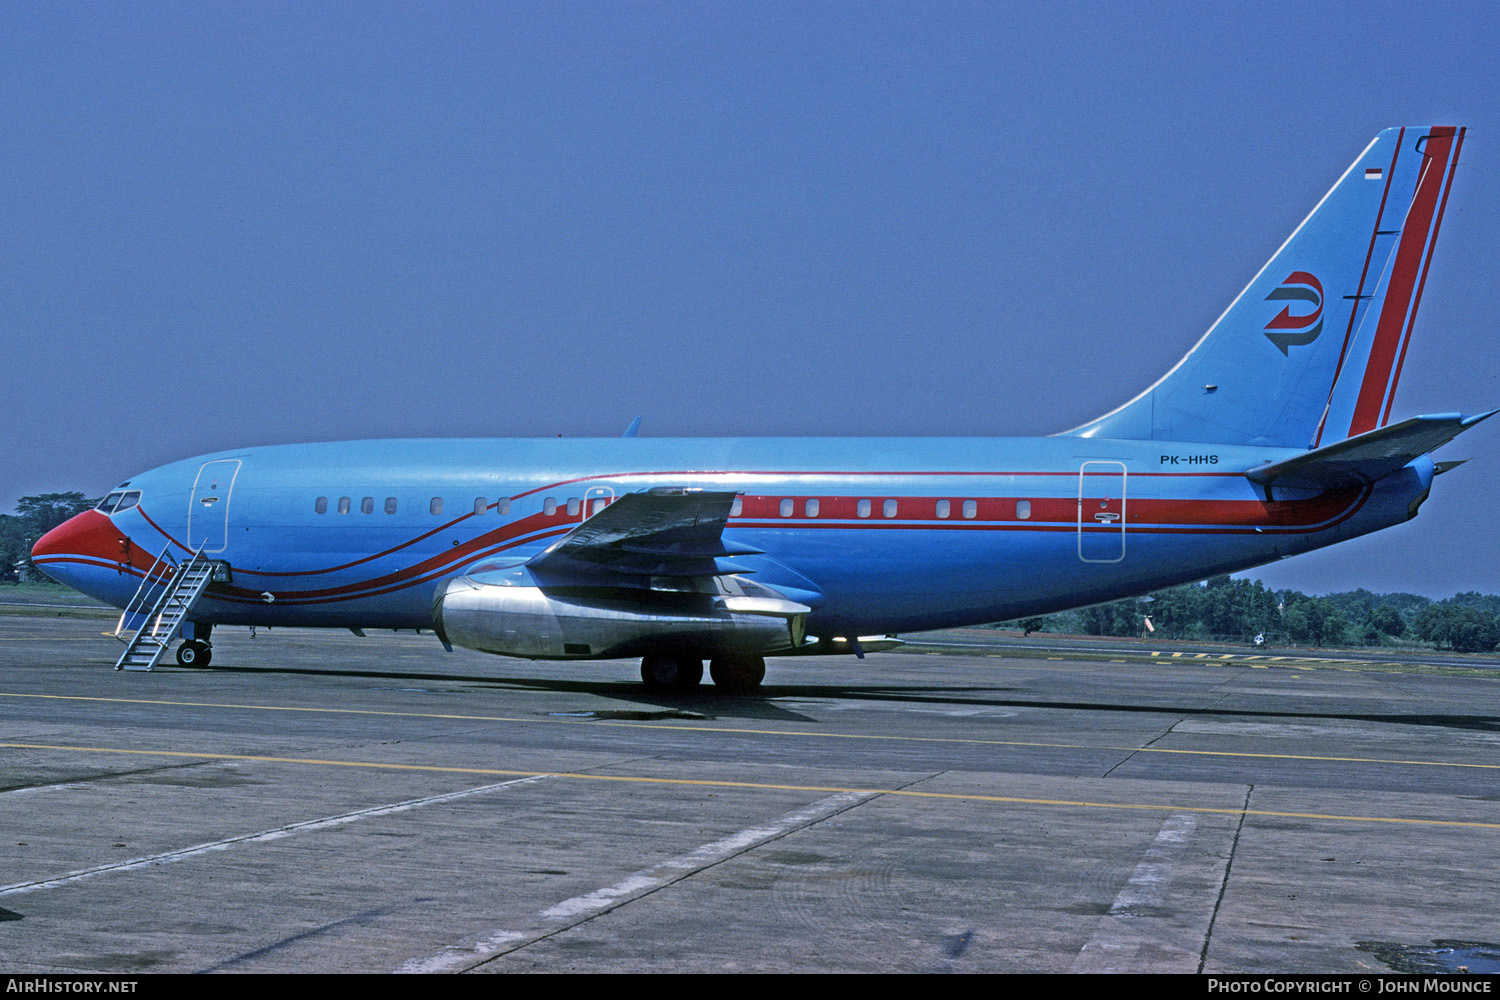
(1365, 385)
(1311, 350)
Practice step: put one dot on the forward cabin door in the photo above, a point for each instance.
(1101, 512)
(208, 506)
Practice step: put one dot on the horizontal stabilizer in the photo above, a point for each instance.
(1366, 457)
(661, 532)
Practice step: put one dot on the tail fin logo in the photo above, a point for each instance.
(1287, 330)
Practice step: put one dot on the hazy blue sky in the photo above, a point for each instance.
(232, 224)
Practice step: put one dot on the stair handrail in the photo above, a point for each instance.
(159, 609)
(199, 569)
(138, 597)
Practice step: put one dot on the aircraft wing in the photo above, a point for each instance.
(1366, 457)
(674, 532)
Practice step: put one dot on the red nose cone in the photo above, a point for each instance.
(88, 534)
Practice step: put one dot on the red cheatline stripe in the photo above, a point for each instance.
(295, 599)
(1170, 515)
(486, 545)
(1416, 234)
(1359, 290)
(1447, 187)
(920, 512)
(514, 532)
(1217, 517)
(1145, 516)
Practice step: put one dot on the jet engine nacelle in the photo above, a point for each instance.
(556, 623)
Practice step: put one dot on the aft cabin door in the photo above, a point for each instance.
(1101, 512)
(208, 506)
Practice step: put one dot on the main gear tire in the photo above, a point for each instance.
(671, 672)
(738, 674)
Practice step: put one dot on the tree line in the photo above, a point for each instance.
(34, 517)
(1228, 610)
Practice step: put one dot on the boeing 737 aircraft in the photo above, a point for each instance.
(1273, 436)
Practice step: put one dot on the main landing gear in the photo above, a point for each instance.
(737, 674)
(677, 672)
(194, 653)
(671, 672)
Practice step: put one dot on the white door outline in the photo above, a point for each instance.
(1099, 489)
(208, 505)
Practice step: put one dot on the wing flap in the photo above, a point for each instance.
(674, 532)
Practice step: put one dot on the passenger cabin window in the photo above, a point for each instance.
(1023, 510)
(811, 508)
(549, 506)
(574, 506)
(862, 508)
(436, 506)
(480, 505)
(390, 505)
(502, 506)
(597, 504)
(738, 507)
(320, 505)
(343, 505)
(944, 508)
(367, 505)
(786, 508)
(971, 508)
(889, 508)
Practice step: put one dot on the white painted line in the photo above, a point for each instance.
(1146, 882)
(307, 826)
(1128, 929)
(60, 786)
(570, 912)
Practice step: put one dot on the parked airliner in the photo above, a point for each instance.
(1273, 436)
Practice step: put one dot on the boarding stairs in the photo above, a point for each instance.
(161, 603)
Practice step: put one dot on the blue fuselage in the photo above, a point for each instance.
(875, 534)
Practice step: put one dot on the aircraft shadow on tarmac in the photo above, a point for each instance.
(708, 703)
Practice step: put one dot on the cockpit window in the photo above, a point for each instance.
(119, 501)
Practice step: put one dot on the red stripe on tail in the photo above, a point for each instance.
(1411, 254)
(1385, 418)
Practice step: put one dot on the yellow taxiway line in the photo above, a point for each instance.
(744, 731)
(763, 786)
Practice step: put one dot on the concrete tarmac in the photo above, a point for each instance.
(319, 802)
